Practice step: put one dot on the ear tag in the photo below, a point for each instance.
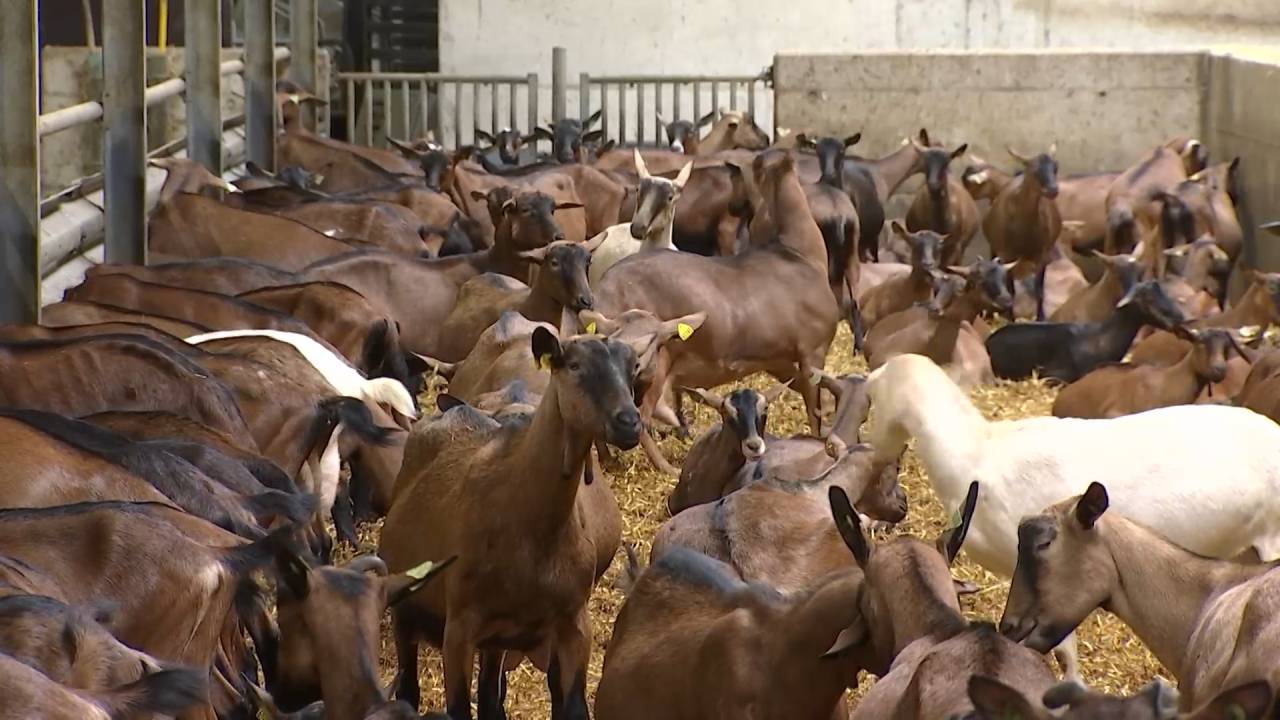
(591, 328)
(421, 571)
(294, 98)
(684, 330)
(815, 378)
(262, 714)
(954, 520)
(544, 362)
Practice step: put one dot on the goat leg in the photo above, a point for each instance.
(567, 672)
(654, 453)
(406, 660)
(459, 650)
(344, 519)
(1040, 287)
(491, 687)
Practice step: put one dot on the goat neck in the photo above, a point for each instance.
(661, 235)
(946, 331)
(552, 457)
(1161, 591)
(896, 167)
(1182, 380)
(503, 257)
(807, 630)
(796, 228)
(1117, 332)
(540, 304)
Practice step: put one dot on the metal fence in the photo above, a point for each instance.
(452, 107)
(631, 104)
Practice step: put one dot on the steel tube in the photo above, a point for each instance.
(559, 82)
(125, 145)
(20, 160)
(303, 22)
(203, 72)
(260, 83)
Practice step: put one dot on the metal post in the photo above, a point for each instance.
(19, 165)
(531, 101)
(559, 82)
(125, 120)
(303, 22)
(584, 96)
(204, 82)
(260, 83)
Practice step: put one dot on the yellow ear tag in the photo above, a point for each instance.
(815, 378)
(263, 714)
(684, 330)
(421, 571)
(544, 362)
(294, 98)
(591, 328)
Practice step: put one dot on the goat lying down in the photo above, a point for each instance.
(1205, 476)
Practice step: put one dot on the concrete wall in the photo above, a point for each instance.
(1242, 118)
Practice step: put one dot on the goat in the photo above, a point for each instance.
(1259, 307)
(28, 693)
(567, 136)
(1082, 203)
(561, 286)
(946, 333)
(456, 475)
(901, 292)
(943, 205)
(1024, 223)
(858, 180)
(1067, 351)
(1193, 274)
(735, 129)
(1201, 617)
(779, 532)
(226, 275)
(993, 700)
(1132, 214)
(336, 371)
(1097, 302)
(651, 225)
(682, 135)
(1158, 457)
(838, 220)
(794, 334)
(507, 142)
(1115, 390)
(1062, 279)
(329, 630)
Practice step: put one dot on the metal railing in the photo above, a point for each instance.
(408, 105)
(630, 104)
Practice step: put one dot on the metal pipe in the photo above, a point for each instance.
(20, 159)
(584, 96)
(303, 21)
(531, 83)
(202, 51)
(124, 116)
(162, 25)
(559, 82)
(260, 82)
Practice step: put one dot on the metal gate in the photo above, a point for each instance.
(630, 105)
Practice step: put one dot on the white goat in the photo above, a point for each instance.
(333, 367)
(650, 227)
(1205, 476)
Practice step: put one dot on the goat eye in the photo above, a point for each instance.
(1043, 546)
(574, 367)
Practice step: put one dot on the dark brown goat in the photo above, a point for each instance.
(1024, 222)
(71, 312)
(943, 205)
(903, 291)
(226, 275)
(1096, 302)
(29, 693)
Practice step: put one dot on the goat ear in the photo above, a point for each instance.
(1053, 150)
(849, 525)
(708, 398)
(1017, 155)
(407, 149)
(482, 135)
(536, 255)
(597, 324)
(479, 195)
(682, 327)
(546, 348)
(661, 120)
(294, 572)
(1064, 694)
(772, 394)
(1246, 702)
(852, 140)
(952, 539)
(569, 205)
(960, 151)
(707, 119)
(802, 140)
(924, 137)
(1091, 505)
(447, 402)
(855, 634)
(539, 133)
(592, 136)
(401, 585)
(901, 230)
(592, 119)
(996, 701)
(641, 169)
(683, 177)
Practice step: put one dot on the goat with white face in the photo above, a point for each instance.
(650, 227)
(1211, 622)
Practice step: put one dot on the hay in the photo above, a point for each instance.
(1112, 658)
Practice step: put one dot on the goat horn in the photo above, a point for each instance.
(365, 563)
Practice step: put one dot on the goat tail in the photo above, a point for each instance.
(167, 692)
(630, 572)
(293, 509)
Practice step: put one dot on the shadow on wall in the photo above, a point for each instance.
(1250, 15)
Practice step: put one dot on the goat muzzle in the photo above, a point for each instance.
(623, 430)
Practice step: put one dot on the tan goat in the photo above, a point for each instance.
(903, 291)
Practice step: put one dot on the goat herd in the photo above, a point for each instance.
(178, 436)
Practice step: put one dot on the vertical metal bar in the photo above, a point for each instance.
(622, 112)
(640, 115)
(260, 82)
(697, 101)
(422, 101)
(202, 51)
(351, 111)
(751, 98)
(675, 102)
(475, 110)
(457, 113)
(604, 108)
(531, 98)
(733, 95)
(303, 22)
(125, 120)
(657, 108)
(584, 96)
(559, 82)
(511, 106)
(386, 111)
(368, 111)
(407, 116)
(493, 108)
(715, 96)
(20, 164)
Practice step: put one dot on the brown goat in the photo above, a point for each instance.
(903, 291)
(329, 630)
(384, 225)
(226, 275)
(561, 285)
(1082, 203)
(734, 130)
(1062, 279)
(796, 331)
(1024, 223)
(69, 312)
(942, 204)
(1259, 306)
(1122, 389)
(1132, 213)
(993, 700)
(1096, 302)
(456, 478)
(28, 693)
